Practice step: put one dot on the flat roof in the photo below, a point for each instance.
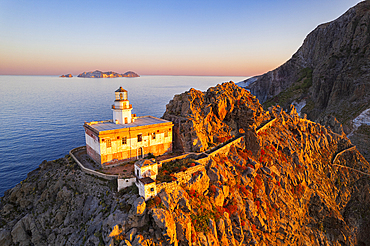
(146, 180)
(139, 121)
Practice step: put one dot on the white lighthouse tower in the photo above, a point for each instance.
(121, 107)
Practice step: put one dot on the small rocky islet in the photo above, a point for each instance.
(110, 74)
(66, 76)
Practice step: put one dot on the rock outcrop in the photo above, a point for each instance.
(328, 75)
(110, 74)
(205, 119)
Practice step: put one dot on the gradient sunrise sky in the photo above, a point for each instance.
(236, 38)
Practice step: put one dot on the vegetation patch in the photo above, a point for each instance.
(165, 174)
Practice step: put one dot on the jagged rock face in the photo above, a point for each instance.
(336, 55)
(307, 186)
(204, 119)
(294, 193)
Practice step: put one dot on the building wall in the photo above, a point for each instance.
(120, 115)
(143, 169)
(112, 149)
(92, 140)
(93, 155)
(123, 183)
(145, 190)
(92, 145)
(141, 188)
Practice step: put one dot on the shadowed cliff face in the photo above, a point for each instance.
(329, 74)
(205, 119)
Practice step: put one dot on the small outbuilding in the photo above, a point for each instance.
(146, 168)
(147, 188)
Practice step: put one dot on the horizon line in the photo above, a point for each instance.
(135, 77)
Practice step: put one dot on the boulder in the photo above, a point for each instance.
(131, 234)
(20, 234)
(219, 197)
(139, 206)
(164, 220)
(5, 237)
(199, 182)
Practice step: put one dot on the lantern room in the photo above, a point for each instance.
(121, 107)
(121, 94)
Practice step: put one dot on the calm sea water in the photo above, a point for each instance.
(41, 117)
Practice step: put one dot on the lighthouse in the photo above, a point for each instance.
(121, 107)
(126, 137)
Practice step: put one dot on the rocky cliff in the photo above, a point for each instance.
(205, 119)
(328, 75)
(303, 184)
(100, 74)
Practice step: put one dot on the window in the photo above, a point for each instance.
(165, 133)
(153, 135)
(151, 189)
(139, 137)
(124, 140)
(126, 120)
(137, 172)
(109, 143)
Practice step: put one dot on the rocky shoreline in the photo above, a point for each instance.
(285, 184)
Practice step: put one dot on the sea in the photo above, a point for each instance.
(42, 117)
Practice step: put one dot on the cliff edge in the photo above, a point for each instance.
(328, 75)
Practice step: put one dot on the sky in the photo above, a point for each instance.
(219, 38)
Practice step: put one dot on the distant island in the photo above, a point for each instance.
(66, 76)
(110, 74)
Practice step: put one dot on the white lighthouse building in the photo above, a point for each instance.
(121, 107)
(126, 137)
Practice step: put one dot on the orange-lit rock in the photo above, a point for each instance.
(205, 119)
(66, 76)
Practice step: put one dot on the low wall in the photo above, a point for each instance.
(181, 178)
(87, 170)
(267, 125)
(226, 148)
(340, 153)
(167, 186)
(177, 157)
(123, 183)
(222, 150)
(184, 177)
